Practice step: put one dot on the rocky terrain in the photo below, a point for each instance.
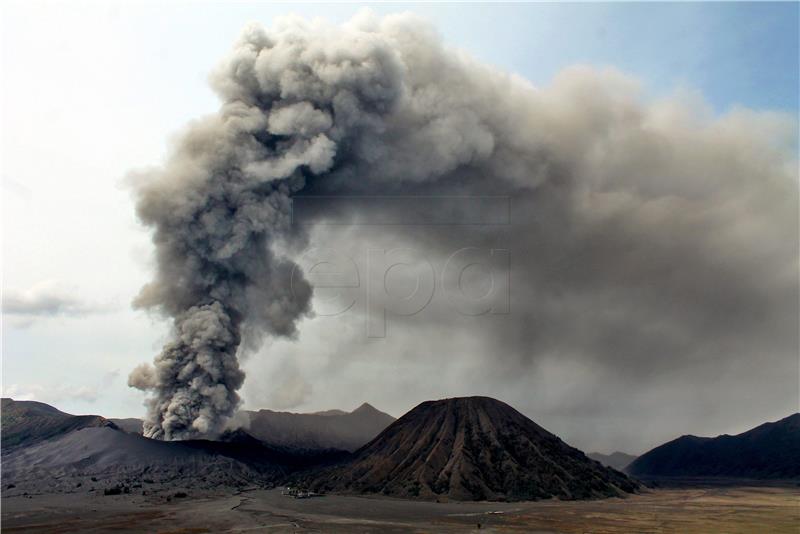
(130, 424)
(472, 448)
(45, 450)
(27, 422)
(771, 450)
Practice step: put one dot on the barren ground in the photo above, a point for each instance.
(720, 509)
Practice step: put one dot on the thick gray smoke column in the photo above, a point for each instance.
(224, 196)
(646, 203)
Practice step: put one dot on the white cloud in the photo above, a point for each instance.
(46, 298)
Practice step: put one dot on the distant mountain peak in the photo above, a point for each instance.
(329, 429)
(365, 407)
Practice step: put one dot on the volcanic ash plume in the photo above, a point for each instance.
(223, 198)
(379, 106)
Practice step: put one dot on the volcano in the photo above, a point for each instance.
(26, 423)
(45, 449)
(471, 448)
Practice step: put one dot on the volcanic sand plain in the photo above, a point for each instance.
(701, 509)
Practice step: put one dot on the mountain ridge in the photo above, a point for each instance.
(769, 450)
(26, 422)
(347, 430)
(326, 429)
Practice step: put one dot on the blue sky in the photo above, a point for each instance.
(733, 52)
(109, 83)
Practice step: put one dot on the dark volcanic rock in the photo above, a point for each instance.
(25, 423)
(130, 424)
(771, 450)
(243, 447)
(471, 448)
(51, 451)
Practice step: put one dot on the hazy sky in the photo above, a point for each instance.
(92, 91)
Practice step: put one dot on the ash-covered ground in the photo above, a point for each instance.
(710, 509)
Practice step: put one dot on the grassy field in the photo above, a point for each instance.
(704, 510)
